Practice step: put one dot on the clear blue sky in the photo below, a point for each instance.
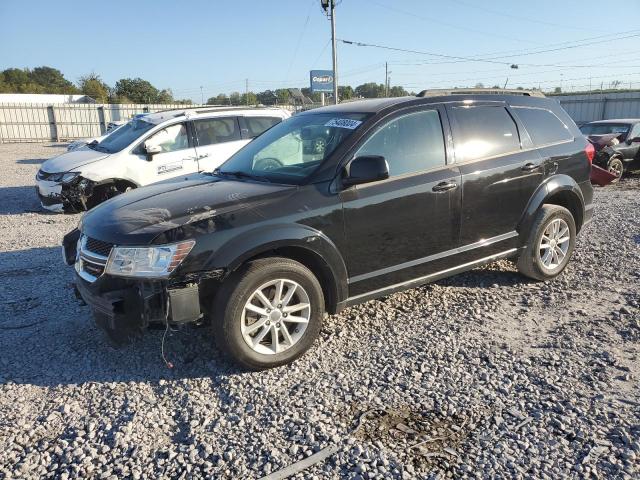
(217, 44)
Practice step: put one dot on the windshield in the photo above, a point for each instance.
(123, 136)
(604, 128)
(292, 150)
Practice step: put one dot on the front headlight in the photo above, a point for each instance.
(148, 262)
(69, 176)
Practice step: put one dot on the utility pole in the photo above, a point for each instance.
(329, 6)
(246, 90)
(201, 96)
(386, 79)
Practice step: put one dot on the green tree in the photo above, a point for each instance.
(283, 95)
(235, 98)
(52, 80)
(220, 99)
(164, 96)
(370, 90)
(345, 92)
(248, 99)
(93, 86)
(398, 91)
(136, 90)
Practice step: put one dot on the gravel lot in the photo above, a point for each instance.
(494, 375)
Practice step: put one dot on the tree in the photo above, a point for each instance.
(164, 96)
(234, 98)
(52, 80)
(93, 86)
(370, 90)
(345, 92)
(220, 99)
(268, 97)
(479, 85)
(283, 95)
(398, 91)
(136, 90)
(557, 90)
(248, 99)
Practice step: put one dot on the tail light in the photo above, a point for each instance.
(590, 151)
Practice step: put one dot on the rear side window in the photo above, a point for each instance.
(257, 125)
(543, 126)
(217, 130)
(410, 143)
(484, 131)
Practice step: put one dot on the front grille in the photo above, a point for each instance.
(98, 246)
(93, 269)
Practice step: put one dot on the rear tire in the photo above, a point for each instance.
(616, 167)
(268, 313)
(550, 244)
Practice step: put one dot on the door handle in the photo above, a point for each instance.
(444, 186)
(529, 167)
(204, 155)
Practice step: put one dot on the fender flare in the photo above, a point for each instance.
(559, 187)
(258, 241)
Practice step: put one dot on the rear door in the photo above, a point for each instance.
(401, 228)
(216, 139)
(500, 171)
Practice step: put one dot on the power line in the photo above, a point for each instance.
(439, 21)
(304, 28)
(517, 17)
(495, 60)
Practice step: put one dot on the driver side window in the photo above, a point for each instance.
(635, 131)
(170, 139)
(411, 143)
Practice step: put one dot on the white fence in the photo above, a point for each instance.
(37, 122)
(587, 107)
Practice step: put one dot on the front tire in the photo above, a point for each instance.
(550, 244)
(268, 313)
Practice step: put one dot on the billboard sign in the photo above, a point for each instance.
(321, 81)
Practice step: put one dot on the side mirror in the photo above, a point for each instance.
(365, 169)
(151, 150)
(634, 140)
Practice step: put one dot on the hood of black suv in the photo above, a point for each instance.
(139, 216)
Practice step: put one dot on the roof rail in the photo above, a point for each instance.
(479, 91)
(214, 108)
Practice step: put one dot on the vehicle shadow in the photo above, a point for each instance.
(16, 200)
(501, 274)
(31, 161)
(48, 338)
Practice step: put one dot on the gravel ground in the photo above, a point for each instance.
(489, 374)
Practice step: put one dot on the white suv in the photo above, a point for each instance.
(149, 149)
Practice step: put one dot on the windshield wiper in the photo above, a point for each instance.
(241, 174)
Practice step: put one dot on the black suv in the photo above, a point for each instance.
(405, 191)
(617, 144)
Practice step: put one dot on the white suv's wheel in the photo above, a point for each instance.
(550, 244)
(268, 313)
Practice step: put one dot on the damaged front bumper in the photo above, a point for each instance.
(63, 197)
(125, 307)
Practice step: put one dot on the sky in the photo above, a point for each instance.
(218, 45)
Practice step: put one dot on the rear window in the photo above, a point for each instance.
(484, 131)
(543, 126)
(257, 125)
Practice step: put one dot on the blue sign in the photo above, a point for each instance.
(321, 80)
